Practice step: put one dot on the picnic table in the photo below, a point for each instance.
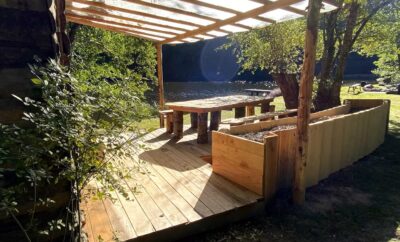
(257, 92)
(200, 108)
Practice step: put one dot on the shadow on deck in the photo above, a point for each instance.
(177, 196)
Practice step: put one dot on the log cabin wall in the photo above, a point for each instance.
(27, 29)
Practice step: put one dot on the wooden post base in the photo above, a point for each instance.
(250, 111)
(170, 123)
(178, 124)
(215, 120)
(162, 125)
(240, 112)
(202, 132)
(265, 107)
(193, 120)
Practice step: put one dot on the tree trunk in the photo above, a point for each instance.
(344, 51)
(305, 95)
(289, 88)
(328, 93)
(322, 99)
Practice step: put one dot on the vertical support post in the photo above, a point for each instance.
(178, 124)
(305, 95)
(193, 120)
(215, 119)
(265, 107)
(240, 112)
(62, 38)
(270, 181)
(250, 110)
(160, 81)
(202, 134)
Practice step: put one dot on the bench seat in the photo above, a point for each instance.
(265, 116)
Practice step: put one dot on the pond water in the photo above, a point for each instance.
(175, 91)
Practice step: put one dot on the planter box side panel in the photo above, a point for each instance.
(338, 143)
(342, 109)
(359, 104)
(239, 160)
(255, 127)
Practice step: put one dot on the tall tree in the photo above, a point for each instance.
(383, 41)
(277, 49)
(341, 30)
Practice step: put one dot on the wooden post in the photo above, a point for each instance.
(202, 134)
(250, 110)
(62, 38)
(178, 124)
(270, 181)
(160, 81)
(240, 112)
(193, 120)
(305, 94)
(265, 107)
(215, 119)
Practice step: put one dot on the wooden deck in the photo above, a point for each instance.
(176, 196)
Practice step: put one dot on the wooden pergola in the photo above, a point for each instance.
(183, 21)
(186, 21)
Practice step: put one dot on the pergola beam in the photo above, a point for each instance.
(179, 11)
(288, 8)
(255, 12)
(111, 28)
(229, 10)
(129, 26)
(130, 11)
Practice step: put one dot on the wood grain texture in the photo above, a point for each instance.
(239, 161)
(173, 192)
(217, 103)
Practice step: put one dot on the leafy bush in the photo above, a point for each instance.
(73, 134)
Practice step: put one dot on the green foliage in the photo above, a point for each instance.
(277, 48)
(78, 130)
(383, 40)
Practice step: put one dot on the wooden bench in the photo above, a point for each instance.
(261, 117)
(354, 88)
(167, 115)
(257, 92)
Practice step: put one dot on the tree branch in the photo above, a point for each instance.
(364, 22)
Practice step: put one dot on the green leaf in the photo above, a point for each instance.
(36, 81)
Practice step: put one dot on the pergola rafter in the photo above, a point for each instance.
(179, 21)
(239, 17)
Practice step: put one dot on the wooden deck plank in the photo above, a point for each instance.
(197, 164)
(179, 186)
(120, 223)
(87, 227)
(177, 191)
(200, 179)
(101, 224)
(140, 222)
(149, 207)
(208, 188)
(174, 216)
(212, 201)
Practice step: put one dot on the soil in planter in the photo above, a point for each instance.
(259, 136)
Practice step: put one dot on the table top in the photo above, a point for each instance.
(217, 103)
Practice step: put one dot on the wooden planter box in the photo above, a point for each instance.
(358, 130)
